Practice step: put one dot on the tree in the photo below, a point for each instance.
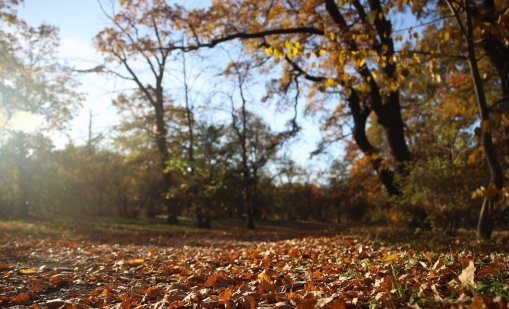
(485, 224)
(140, 34)
(33, 82)
(253, 138)
(354, 50)
(37, 92)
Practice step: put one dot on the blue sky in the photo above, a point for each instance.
(79, 21)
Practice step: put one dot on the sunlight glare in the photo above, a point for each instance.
(24, 121)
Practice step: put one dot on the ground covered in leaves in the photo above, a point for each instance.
(127, 265)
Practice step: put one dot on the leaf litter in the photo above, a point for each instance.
(337, 271)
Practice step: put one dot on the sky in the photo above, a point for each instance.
(79, 21)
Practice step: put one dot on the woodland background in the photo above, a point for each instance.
(421, 113)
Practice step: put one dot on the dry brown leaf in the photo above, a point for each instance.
(307, 303)
(467, 275)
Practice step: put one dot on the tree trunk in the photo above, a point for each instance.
(360, 116)
(388, 111)
(338, 212)
(485, 223)
(498, 53)
(24, 206)
(164, 155)
(248, 204)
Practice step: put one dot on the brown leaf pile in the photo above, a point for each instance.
(309, 272)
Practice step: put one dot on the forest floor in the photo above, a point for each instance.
(112, 263)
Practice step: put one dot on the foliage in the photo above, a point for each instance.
(33, 81)
(439, 191)
(292, 268)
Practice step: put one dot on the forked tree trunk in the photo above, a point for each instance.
(360, 117)
(387, 110)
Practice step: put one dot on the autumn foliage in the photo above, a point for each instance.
(275, 267)
(412, 101)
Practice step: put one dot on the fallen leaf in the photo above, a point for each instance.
(153, 292)
(226, 295)
(438, 264)
(467, 275)
(389, 258)
(22, 297)
(293, 296)
(333, 302)
(314, 256)
(483, 272)
(105, 293)
(28, 271)
(266, 282)
(307, 303)
(135, 262)
(216, 281)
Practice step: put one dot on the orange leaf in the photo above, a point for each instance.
(22, 297)
(105, 293)
(314, 256)
(216, 281)
(293, 253)
(211, 280)
(226, 295)
(266, 282)
(292, 296)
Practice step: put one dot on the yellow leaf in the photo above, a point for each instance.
(389, 258)
(329, 82)
(135, 262)
(266, 282)
(122, 2)
(28, 271)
